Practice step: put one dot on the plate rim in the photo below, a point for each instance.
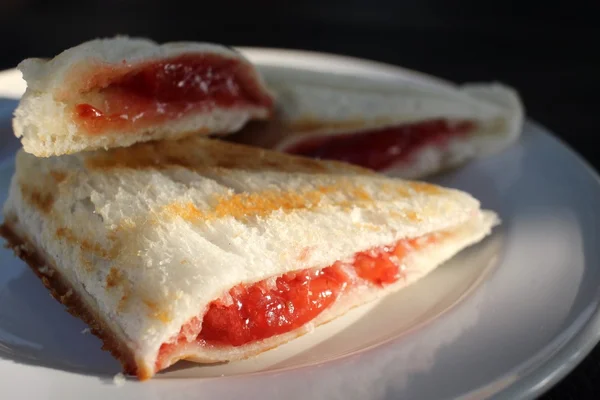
(544, 373)
(550, 369)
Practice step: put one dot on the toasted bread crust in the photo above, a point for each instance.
(62, 291)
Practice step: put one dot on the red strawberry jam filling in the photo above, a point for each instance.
(133, 96)
(259, 311)
(382, 148)
(264, 309)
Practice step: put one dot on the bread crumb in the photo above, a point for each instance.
(86, 331)
(45, 270)
(21, 249)
(64, 297)
(119, 379)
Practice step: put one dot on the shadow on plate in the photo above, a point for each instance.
(36, 330)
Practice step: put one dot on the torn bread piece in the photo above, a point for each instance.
(119, 91)
(208, 251)
(412, 127)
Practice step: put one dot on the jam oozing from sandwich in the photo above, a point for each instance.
(266, 308)
(134, 96)
(383, 148)
(260, 311)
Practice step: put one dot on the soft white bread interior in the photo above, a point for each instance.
(151, 234)
(44, 118)
(313, 104)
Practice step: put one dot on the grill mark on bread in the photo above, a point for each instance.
(124, 300)
(413, 216)
(215, 154)
(360, 194)
(409, 214)
(243, 206)
(156, 313)
(58, 176)
(87, 264)
(425, 188)
(85, 245)
(43, 201)
(115, 281)
(114, 278)
(187, 211)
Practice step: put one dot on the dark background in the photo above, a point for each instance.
(546, 50)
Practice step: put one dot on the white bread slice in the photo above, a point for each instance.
(313, 105)
(147, 236)
(44, 119)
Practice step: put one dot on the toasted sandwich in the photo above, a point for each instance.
(115, 92)
(209, 251)
(412, 127)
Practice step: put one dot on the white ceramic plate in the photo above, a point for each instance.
(508, 317)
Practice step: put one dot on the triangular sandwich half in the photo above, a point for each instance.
(412, 127)
(118, 91)
(208, 251)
